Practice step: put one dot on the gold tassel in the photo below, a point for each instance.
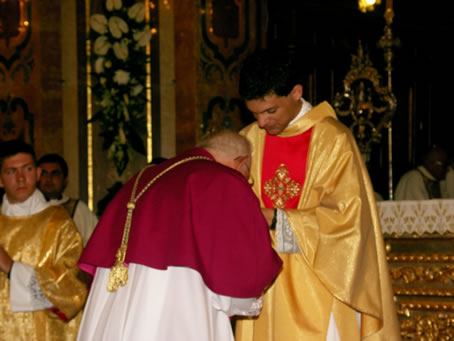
(118, 276)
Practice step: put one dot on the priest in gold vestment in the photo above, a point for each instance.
(317, 197)
(40, 295)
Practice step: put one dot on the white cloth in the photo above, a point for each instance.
(411, 185)
(306, 107)
(286, 241)
(35, 203)
(416, 217)
(84, 219)
(25, 293)
(160, 305)
(447, 185)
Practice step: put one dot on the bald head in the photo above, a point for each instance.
(230, 149)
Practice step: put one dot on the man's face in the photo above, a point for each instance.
(18, 176)
(52, 181)
(273, 113)
(436, 163)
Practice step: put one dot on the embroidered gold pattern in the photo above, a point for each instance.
(282, 187)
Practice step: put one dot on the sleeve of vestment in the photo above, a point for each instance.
(25, 293)
(336, 224)
(232, 235)
(57, 271)
(285, 238)
(85, 221)
(237, 306)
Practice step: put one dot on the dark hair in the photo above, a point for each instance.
(266, 72)
(55, 158)
(13, 147)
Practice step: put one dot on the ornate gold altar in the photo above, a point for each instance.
(419, 239)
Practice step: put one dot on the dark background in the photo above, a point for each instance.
(325, 34)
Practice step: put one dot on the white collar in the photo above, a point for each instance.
(306, 107)
(427, 174)
(35, 203)
(56, 202)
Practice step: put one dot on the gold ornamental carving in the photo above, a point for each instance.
(438, 327)
(404, 308)
(421, 291)
(282, 187)
(413, 274)
(420, 258)
(423, 286)
(365, 105)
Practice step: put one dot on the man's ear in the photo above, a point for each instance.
(38, 173)
(243, 165)
(297, 92)
(65, 183)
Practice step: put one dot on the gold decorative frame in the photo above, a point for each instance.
(89, 105)
(423, 285)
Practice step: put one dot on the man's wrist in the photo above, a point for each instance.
(8, 272)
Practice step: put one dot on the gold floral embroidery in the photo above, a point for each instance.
(281, 188)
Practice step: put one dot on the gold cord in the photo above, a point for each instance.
(118, 275)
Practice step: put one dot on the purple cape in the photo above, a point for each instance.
(200, 215)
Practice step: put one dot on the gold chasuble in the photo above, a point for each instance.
(342, 265)
(49, 242)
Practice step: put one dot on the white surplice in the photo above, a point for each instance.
(164, 305)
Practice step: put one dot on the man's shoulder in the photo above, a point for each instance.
(54, 217)
(251, 128)
(333, 125)
(59, 223)
(70, 205)
(82, 207)
(412, 174)
(56, 213)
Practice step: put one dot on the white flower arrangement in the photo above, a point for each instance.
(119, 62)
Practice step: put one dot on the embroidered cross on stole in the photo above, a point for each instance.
(284, 169)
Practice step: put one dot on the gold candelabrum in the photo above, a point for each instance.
(366, 105)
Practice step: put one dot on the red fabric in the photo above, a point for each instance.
(291, 151)
(200, 215)
(59, 314)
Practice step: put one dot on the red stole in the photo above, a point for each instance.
(284, 169)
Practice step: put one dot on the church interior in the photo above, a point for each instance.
(51, 95)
